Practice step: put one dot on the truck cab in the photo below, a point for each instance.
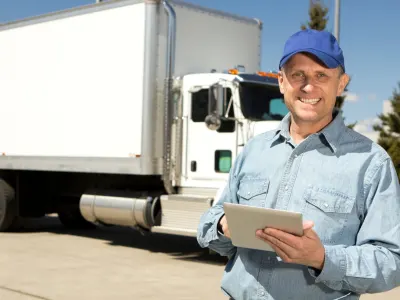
(221, 112)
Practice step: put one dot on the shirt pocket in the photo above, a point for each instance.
(329, 210)
(253, 191)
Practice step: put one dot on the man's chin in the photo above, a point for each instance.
(307, 116)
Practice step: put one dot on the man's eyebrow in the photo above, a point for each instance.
(294, 69)
(291, 69)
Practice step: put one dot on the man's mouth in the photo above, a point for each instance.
(309, 101)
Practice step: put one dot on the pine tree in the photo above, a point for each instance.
(318, 19)
(318, 16)
(389, 130)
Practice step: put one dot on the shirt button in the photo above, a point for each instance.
(286, 188)
(262, 293)
(326, 204)
(248, 193)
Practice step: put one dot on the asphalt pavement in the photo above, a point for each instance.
(45, 261)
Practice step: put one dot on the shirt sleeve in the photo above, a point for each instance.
(207, 233)
(372, 265)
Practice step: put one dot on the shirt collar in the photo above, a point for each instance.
(331, 132)
(283, 127)
(334, 130)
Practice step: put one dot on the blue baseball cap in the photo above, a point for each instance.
(322, 44)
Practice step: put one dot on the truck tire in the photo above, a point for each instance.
(72, 218)
(8, 206)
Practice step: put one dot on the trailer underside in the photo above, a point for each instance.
(38, 193)
(83, 200)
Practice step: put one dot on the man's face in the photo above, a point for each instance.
(310, 89)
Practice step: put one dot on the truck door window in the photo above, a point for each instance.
(200, 110)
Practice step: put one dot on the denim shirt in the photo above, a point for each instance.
(337, 178)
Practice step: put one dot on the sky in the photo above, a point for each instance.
(368, 31)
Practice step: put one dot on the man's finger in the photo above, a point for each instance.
(308, 225)
(290, 251)
(280, 253)
(287, 238)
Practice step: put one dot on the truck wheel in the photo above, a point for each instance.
(8, 206)
(71, 218)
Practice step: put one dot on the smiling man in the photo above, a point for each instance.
(345, 186)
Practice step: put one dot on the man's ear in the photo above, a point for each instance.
(280, 81)
(343, 82)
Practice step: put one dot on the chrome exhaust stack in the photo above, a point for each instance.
(168, 102)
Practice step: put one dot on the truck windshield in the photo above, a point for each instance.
(261, 102)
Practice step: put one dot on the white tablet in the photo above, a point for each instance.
(244, 221)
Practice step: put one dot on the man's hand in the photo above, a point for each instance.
(224, 226)
(306, 250)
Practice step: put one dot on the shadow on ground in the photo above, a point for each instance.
(179, 247)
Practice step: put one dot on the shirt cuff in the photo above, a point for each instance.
(335, 265)
(215, 233)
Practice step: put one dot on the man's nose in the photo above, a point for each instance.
(307, 88)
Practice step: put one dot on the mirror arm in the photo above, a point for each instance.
(229, 106)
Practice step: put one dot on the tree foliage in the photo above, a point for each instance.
(318, 16)
(389, 130)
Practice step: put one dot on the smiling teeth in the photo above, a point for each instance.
(310, 101)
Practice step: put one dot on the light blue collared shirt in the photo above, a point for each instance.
(337, 178)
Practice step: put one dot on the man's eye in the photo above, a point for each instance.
(321, 75)
(298, 75)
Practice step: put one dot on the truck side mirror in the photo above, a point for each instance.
(213, 121)
(216, 106)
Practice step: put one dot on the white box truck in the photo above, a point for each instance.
(128, 112)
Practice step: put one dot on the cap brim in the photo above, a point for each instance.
(326, 59)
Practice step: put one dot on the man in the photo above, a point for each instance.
(344, 184)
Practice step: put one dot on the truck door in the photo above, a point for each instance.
(209, 153)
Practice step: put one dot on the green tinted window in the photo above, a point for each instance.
(223, 161)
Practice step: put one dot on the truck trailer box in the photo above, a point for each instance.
(83, 89)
